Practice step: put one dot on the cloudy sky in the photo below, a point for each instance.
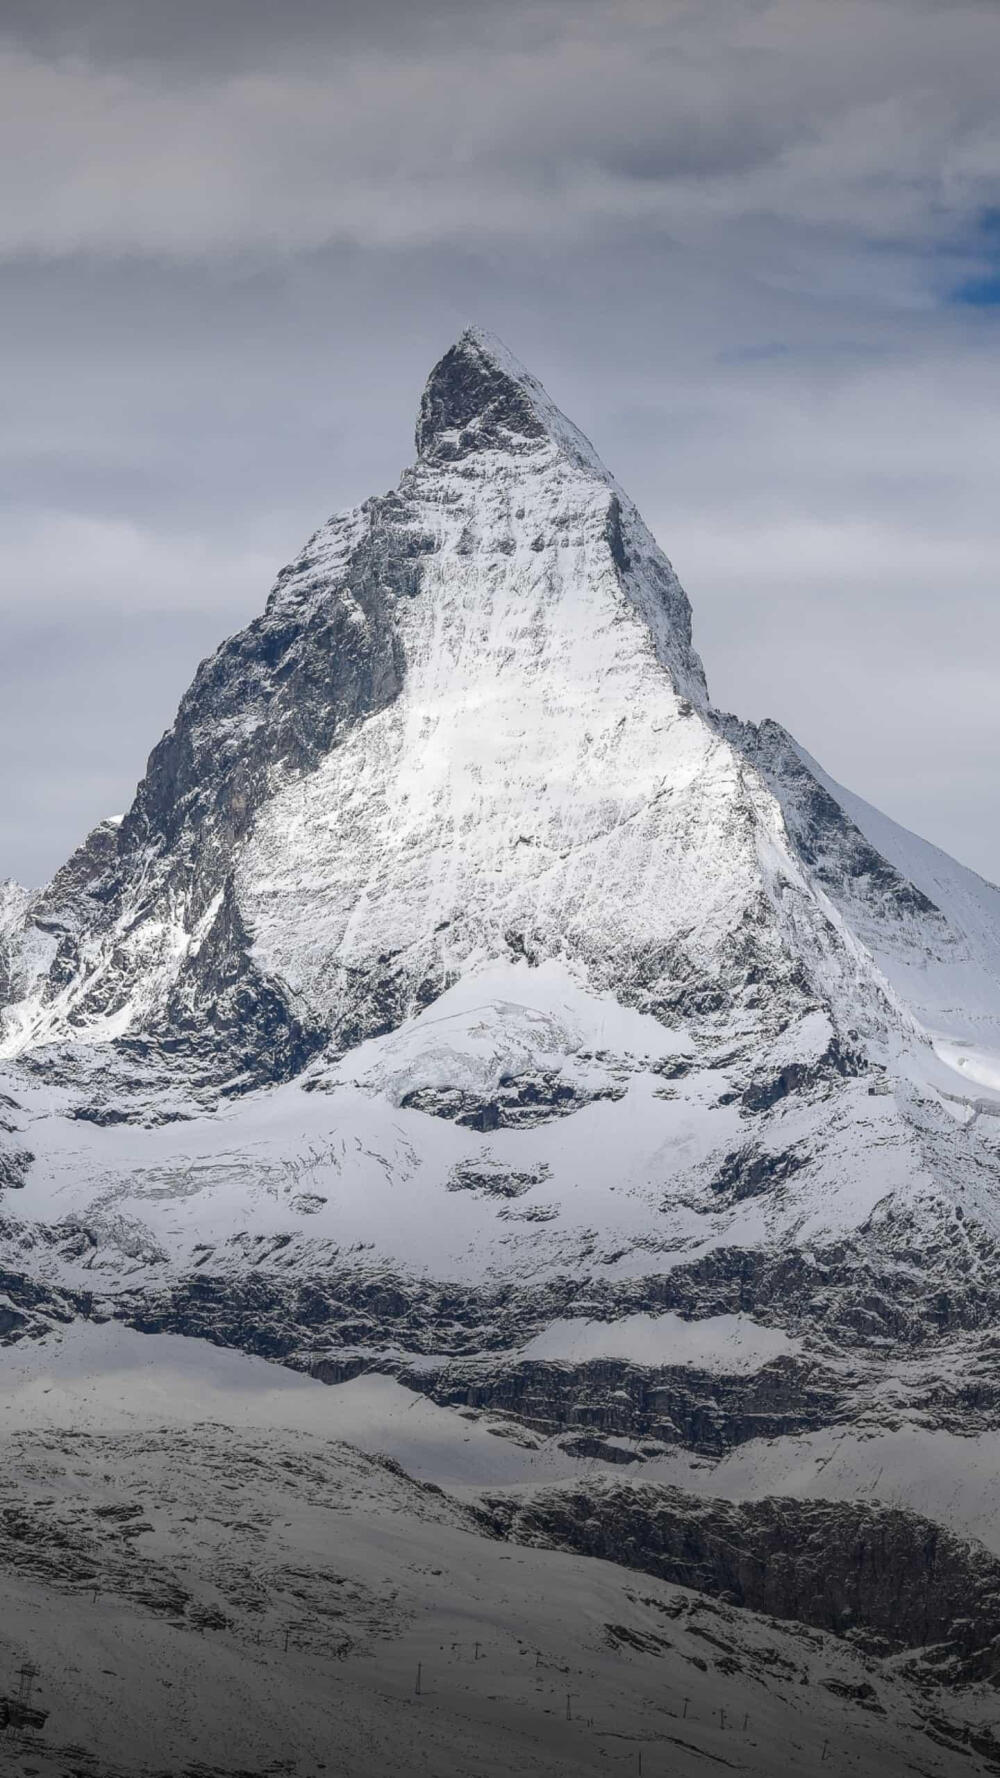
(751, 246)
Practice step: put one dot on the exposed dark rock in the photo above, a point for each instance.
(30, 1308)
(704, 1411)
(838, 1062)
(277, 696)
(863, 1693)
(587, 1444)
(615, 536)
(843, 1566)
(673, 1067)
(488, 1180)
(472, 404)
(750, 1171)
(105, 1116)
(15, 1164)
(825, 837)
(519, 1102)
(223, 1003)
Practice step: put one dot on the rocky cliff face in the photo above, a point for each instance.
(218, 1620)
(888, 1580)
(463, 998)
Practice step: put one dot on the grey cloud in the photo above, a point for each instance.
(223, 35)
(500, 126)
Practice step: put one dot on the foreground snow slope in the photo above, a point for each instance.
(256, 1599)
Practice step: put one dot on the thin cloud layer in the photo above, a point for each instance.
(878, 120)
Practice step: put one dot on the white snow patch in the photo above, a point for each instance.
(502, 1020)
(729, 1343)
(979, 1067)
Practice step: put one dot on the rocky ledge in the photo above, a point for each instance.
(886, 1578)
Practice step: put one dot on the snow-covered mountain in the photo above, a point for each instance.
(464, 999)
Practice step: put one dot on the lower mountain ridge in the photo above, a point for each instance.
(598, 1098)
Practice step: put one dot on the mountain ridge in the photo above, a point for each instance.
(465, 1002)
(275, 700)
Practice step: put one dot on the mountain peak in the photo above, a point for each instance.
(479, 397)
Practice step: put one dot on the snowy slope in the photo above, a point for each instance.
(231, 1589)
(957, 994)
(932, 925)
